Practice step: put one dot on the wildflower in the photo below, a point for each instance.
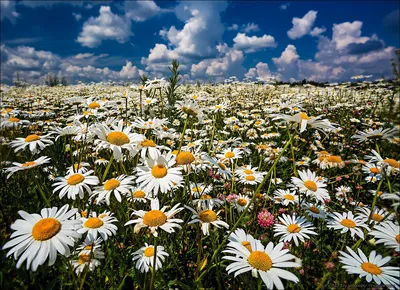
(265, 219)
(75, 184)
(347, 222)
(119, 185)
(99, 225)
(387, 233)
(144, 257)
(27, 165)
(206, 217)
(34, 142)
(293, 228)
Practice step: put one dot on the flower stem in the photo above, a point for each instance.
(153, 273)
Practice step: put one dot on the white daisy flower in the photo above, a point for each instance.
(206, 200)
(38, 237)
(35, 143)
(372, 268)
(387, 233)
(145, 257)
(376, 216)
(25, 166)
(117, 138)
(89, 260)
(230, 154)
(198, 189)
(293, 228)
(120, 185)
(311, 185)
(78, 168)
(206, 217)
(314, 210)
(138, 194)
(241, 202)
(347, 222)
(99, 225)
(156, 218)
(263, 261)
(158, 174)
(285, 197)
(75, 184)
(240, 236)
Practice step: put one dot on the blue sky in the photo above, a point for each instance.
(119, 40)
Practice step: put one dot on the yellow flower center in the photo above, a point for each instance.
(111, 184)
(205, 196)
(348, 223)
(45, 229)
(88, 247)
(304, 116)
(154, 218)
(293, 228)
(229, 154)
(87, 113)
(102, 215)
(77, 166)
(148, 101)
(93, 223)
(374, 170)
(84, 213)
(208, 216)
(159, 171)
(149, 252)
(288, 196)
(250, 177)
(371, 268)
(397, 238)
(29, 163)
(392, 162)
(83, 259)
(32, 138)
(94, 105)
(13, 120)
(139, 194)
(221, 165)
(311, 185)
(334, 159)
(376, 217)
(189, 111)
(323, 153)
(184, 158)
(148, 143)
(248, 171)
(247, 245)
(242, 201)
(314, 209)
(260, 261)
(117, 138)
(75, 179)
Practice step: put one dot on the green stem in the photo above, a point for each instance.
(183, 134)
(374, 201)
(107, 168)
(153, 273)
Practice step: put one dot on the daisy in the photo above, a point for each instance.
(240, 236)
(206, 217)
(89, 260)
(265, 261)
(75, 184)
(78, 168)
(376, 217)
(241, 202)
(251, 179)
(120, 185)
(150, 148)
(220, 166)
(101, 161)
(206, 200)
(66, 131)
(387, 233)
(388, 134)
(372, 268)
(117, 138)
(311, 185)
(156, 218)
(302, 119)
(35, 143)
(145, 257)
(314, 210)
(230, 154)
(26, 165)
(391, 165)
(347, 222)
(99, 225)
(138, 194)
(334, 161)
(198, 189)
(153, 123)
(89, 244)
(293, 228)
(189, 108)
(38, 237)
(285, 197)
(158, 174)
(341, 192)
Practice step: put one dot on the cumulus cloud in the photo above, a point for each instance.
(253, 43)
(141, 10)
(302, 26)
(33, 65)
(262, 71)
(233, 27)
(346, 33)
(317, 31)
(7, 10)
(249, 27)
(107, 26)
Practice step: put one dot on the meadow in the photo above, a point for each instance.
(163, 185)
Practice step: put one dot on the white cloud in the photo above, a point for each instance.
(129, 71)
(302, 26)
(262, 71)
(317, 31)
(141, 10)
(253, 43)
(104, 27)
(83, 55)
(346, 33)
(284, 6)
(233, 27)
(7, 10)
(249, 27)
(77, 16)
